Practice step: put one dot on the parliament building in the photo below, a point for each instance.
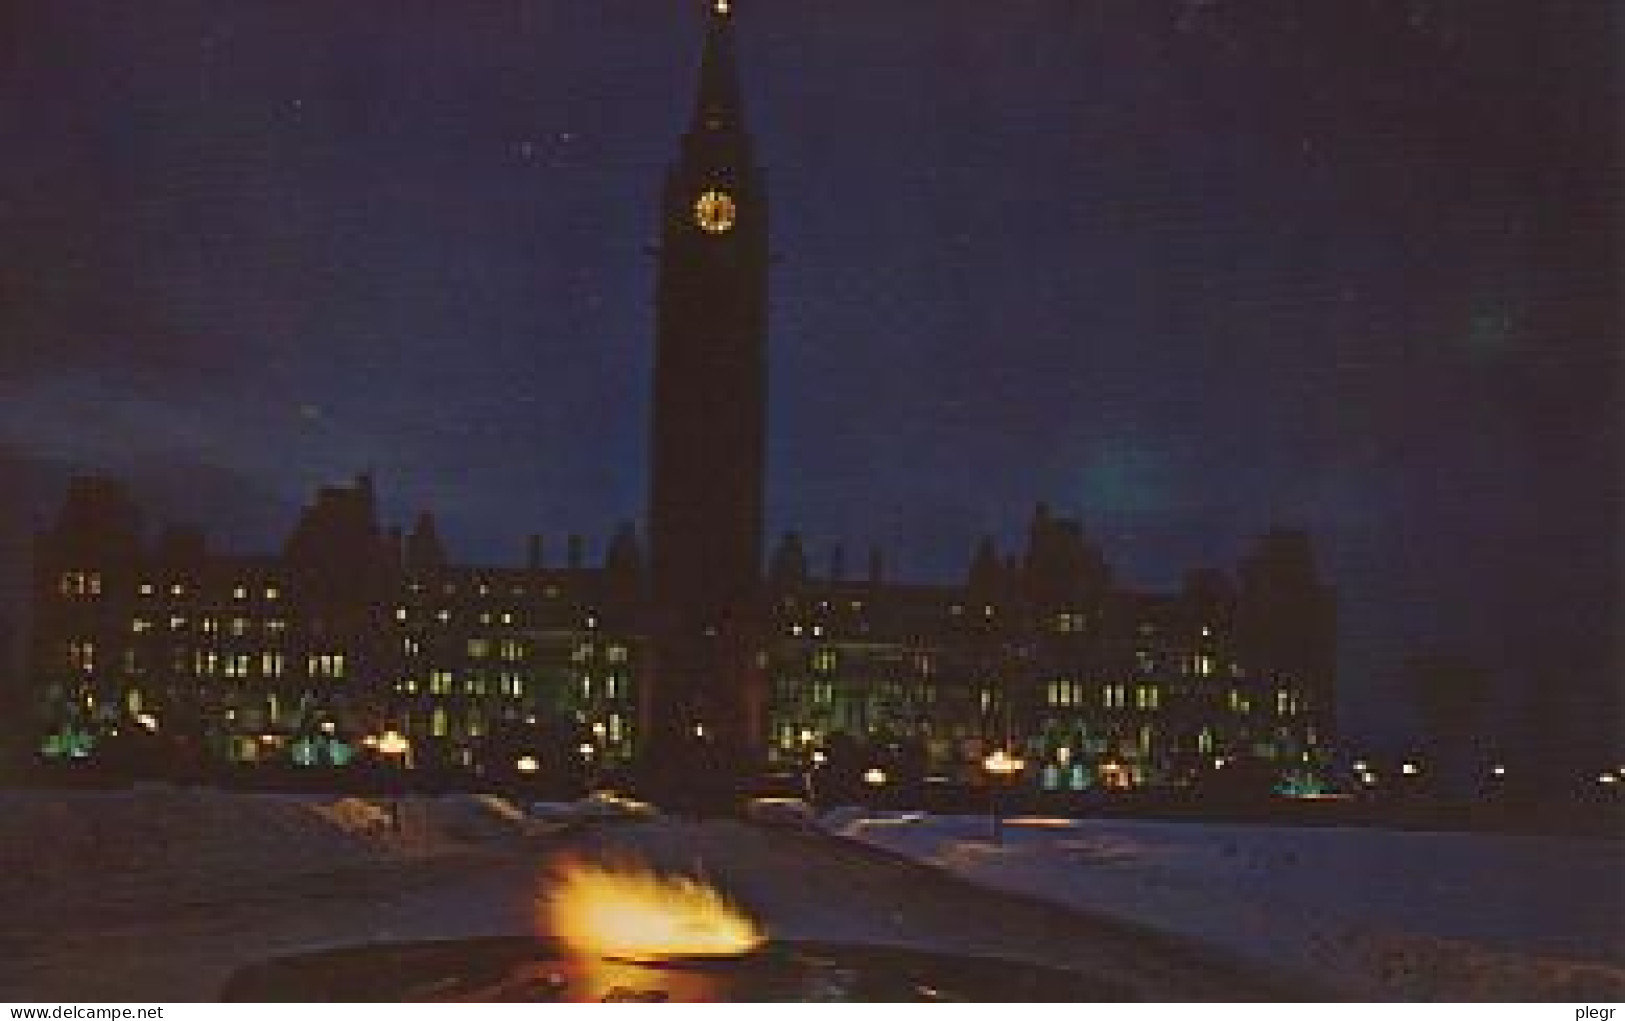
(701, 650)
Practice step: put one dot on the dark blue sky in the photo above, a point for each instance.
(1183, 268)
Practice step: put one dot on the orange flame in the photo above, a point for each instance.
(625, 909)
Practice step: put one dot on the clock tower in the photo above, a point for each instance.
(702, 708)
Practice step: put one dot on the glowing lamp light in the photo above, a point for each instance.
(527, 764)
(819, 758)
(1002, 763)
(1498, 770)
(699, 730)
(394, 743)
(1607, 778)
(149, 721)
(1410, 769)
(586, 750)
(874, 776)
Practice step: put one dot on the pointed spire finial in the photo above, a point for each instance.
(719, 106)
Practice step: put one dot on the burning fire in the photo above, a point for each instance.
(627, 910)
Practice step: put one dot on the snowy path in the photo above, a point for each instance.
(1371, 913)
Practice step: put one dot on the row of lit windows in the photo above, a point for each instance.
(1112, 696)
(483, 588)
(240, 592)
(441, 682)
(444, 614)
(237, 627)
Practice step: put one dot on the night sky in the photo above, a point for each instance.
(1183, 268)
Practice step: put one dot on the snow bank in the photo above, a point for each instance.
(106, 850)
(1366, 913)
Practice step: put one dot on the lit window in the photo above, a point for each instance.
(617, 654)
(329, 664)
(478, 648)
(400, 614)
(140, 625)
(271, 592)
(177, 589)
(146, 588)
(239, 626)
(240, 592)
(82, 655)
(823, 661)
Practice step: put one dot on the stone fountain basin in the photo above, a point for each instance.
(516, 969)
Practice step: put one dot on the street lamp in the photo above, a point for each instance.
(1001, 767)
(394, 745)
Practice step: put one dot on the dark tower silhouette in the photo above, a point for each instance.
(701, 712)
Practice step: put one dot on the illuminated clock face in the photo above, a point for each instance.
(715, 211)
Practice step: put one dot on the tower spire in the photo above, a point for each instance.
(719, 107)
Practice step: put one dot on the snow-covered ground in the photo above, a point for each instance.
(97, 852)
(1372, 914)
